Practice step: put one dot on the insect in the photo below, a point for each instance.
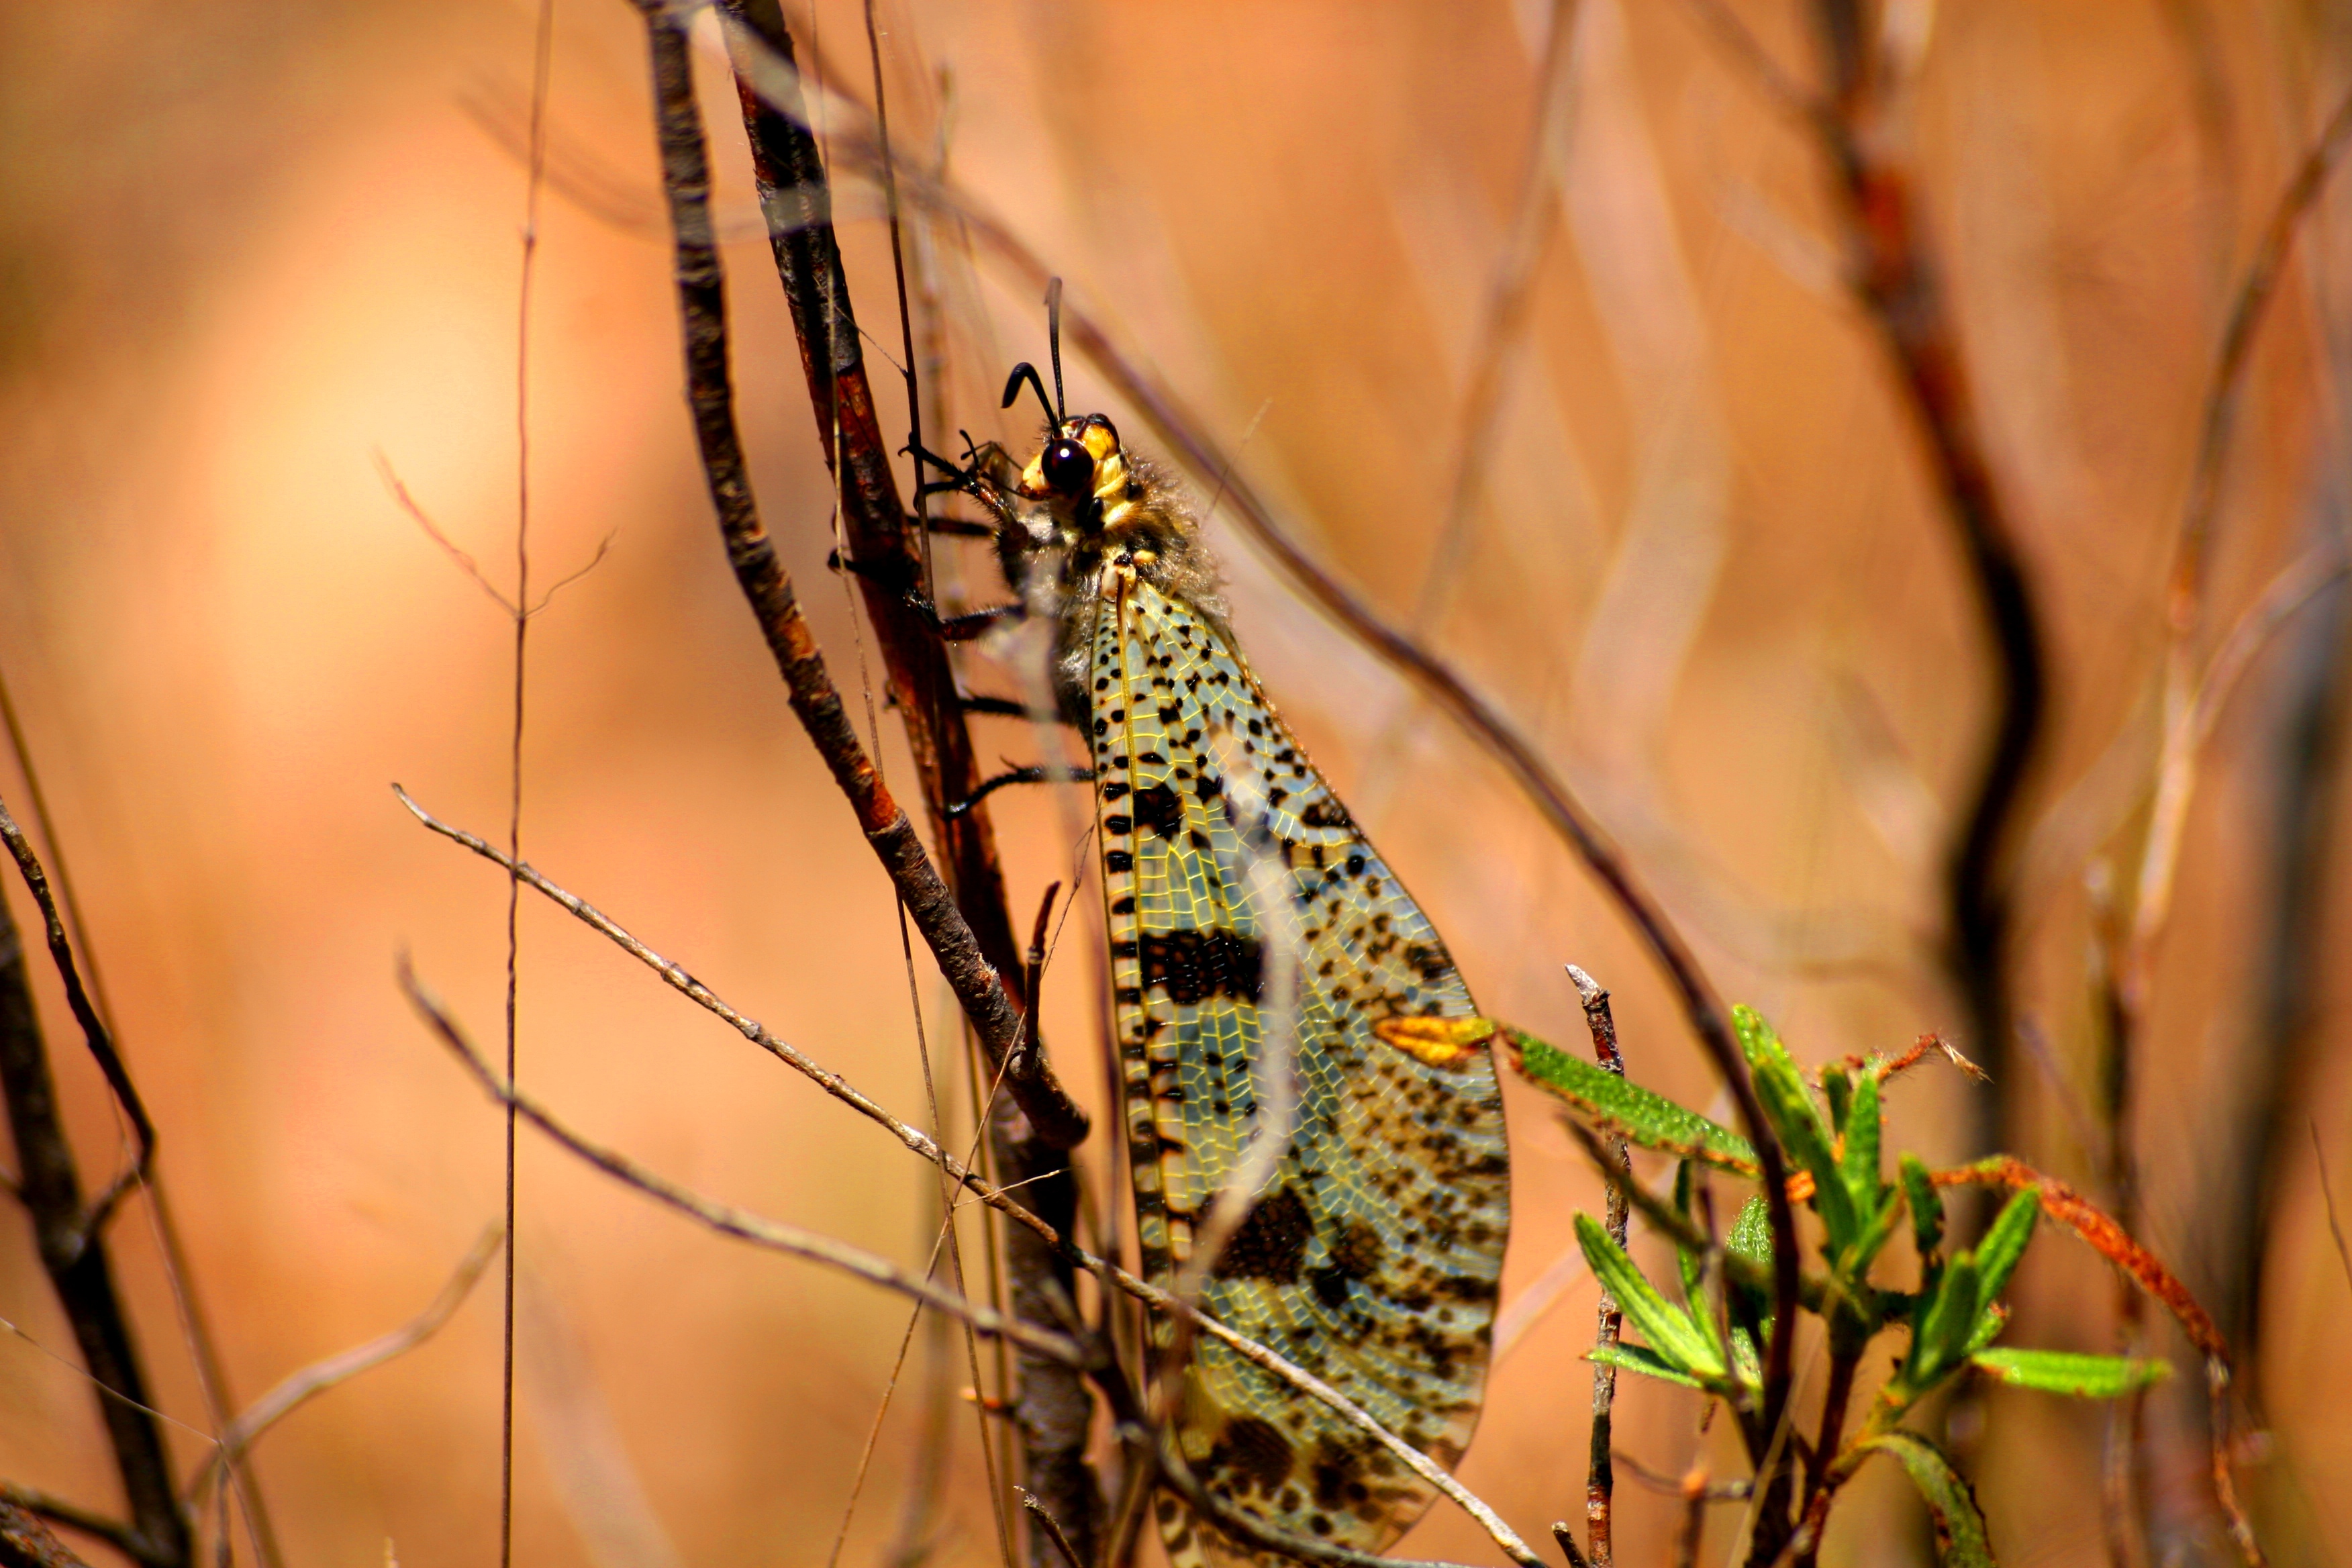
(1371, 1252)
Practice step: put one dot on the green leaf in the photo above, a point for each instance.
(1960, 1540)
(1927, 1206)
(1940, 1337)
(1667, 1326)
(1859, 1163)
(1751, 1237)
(2068, 1371)
(2003, 1245)
(1989, 1323)
(1878, 1229)
(1693, 1265)
(1641, 1359)
(1610, 1104)
(1752, 1233)
(1799, 1126)
(1758, 1043)
(1837, 1087)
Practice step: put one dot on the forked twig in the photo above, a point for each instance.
(94, 1032)
(74, 1253)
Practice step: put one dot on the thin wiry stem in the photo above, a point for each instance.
(542, 69)
(994, 1197)
(95, 1033)
(74, 1253)
(723, 1218)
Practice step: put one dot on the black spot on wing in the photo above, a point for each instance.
(1157, 808)
(1197, 964)
(1252, 1453)
(1272, 1243)
(1327, 812)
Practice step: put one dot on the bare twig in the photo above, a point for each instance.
(73, 1251)
(57, 1510)
(95, 1033)
(25, 1541)
(994, 1196)
(701, 288)
(1051, 1526)
(725, 1219)
(300, 1387)
(1599, 1483)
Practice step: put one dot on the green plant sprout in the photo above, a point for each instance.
(1708, 1330)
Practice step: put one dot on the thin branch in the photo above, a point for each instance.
(74, 1253)
(1051, 1526)
(1600, 1481)
(57, 1510)
(994, 1197)
(424, 520)
(1510, 294)
(725, 1219)
(300, 1387)
(1693, 1526)
(25, 1541)
(94, 1031)
(980, 988)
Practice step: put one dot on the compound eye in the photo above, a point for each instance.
(1068, 468)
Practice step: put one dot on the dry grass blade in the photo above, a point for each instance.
(299, 1388)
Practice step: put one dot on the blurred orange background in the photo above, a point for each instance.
(245, 248)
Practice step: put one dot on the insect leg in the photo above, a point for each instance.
(1013, 776)
(1011, 708)
(950, 628)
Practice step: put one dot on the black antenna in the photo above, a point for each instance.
(1054, 338)
(1026, 372)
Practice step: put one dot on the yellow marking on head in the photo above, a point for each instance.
(1439, 1042)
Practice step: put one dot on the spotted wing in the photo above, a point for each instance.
(1371, 1258)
